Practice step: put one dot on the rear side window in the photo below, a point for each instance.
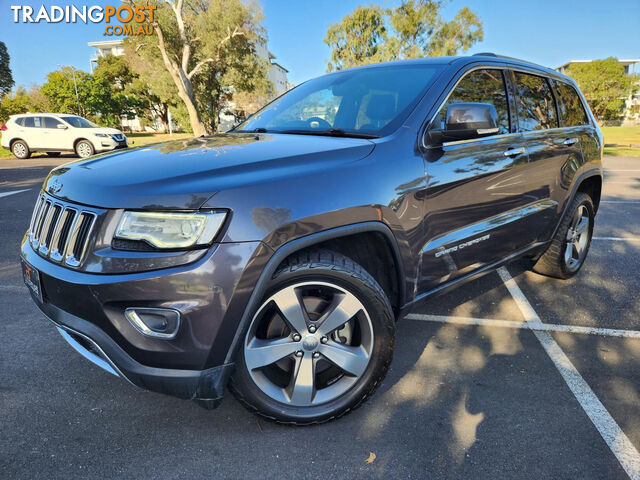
(571, 109)
(19, 121)
(50, 122)
(536, 107)
(480, 86)
(33, 122)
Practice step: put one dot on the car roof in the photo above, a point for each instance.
(31, 114)
(468, 59)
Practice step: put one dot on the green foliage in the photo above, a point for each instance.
(114, 88)
(209, 55)
(605, 86)
(60, 90)
(412, 30)
(6, 77)
(22, 101)
(360, 39)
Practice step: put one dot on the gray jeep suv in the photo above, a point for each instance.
(276, 258)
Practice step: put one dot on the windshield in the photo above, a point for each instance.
(79, 122)
(369, 102)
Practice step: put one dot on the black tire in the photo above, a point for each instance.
(20, 149)
(336, 269)
(84, 149)
(53, 154)
(552, 263)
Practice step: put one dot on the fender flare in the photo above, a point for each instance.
(595, 172)
(301, 243)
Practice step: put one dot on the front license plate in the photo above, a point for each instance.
(31, 277)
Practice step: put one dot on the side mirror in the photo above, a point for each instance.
(60, 126)
(465, 121)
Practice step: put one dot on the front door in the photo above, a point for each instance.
(55, 138)
(474, 197)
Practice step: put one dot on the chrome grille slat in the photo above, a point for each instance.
(60, 236)
(77, 243)
(38, 226)
(60, 231)
(36, 212)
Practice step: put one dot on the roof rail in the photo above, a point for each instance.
(485, 54)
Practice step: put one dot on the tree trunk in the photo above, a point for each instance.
(164, 117)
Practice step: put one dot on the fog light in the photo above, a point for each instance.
(154, 322)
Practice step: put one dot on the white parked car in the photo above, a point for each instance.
(54, 133)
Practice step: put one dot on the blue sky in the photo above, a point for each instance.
(542, 31)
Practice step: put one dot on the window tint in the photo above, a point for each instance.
(536, 108)
(20, 121)
(368, 101)
(571, 109)
(50, 122)
(33, 122)
(480, 86)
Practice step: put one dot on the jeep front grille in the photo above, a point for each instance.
(60, 231)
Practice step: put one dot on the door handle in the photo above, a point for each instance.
(570, 141)
(512, 152)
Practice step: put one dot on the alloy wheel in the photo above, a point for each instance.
(20, 150)
(308, 344)
(84, 149)
(577, 239)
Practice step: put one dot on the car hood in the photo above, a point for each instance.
(183, 174)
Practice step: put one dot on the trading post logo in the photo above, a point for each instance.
(135, 19)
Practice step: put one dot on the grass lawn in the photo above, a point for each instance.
(622, 136)
(138, 138)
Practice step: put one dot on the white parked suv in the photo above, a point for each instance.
(54, 133)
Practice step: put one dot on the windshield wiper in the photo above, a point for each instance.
(331, 132)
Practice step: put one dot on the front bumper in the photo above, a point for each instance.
(107, 144)
(210, 293)
(96, 346)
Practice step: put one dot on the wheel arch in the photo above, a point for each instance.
(592, 186)
(335, 237)
(79, 139)
(14, 140)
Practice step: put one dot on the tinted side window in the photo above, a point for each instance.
(20, 121)
(536, 107)
(480, 86)
(571, 109)
(50, 122)
(33, 122)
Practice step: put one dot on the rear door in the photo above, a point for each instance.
(474, 195)
(551, 147)
(33, 132)
(576, 125)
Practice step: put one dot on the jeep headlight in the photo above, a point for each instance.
(101, 135)
(170, 230)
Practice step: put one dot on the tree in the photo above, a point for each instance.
(22, 101)
(153, 82)
(193, 38)
(604, 84)
(116, 79)
(413, 29)
(6, 77)
(359, 39)
(60, 91)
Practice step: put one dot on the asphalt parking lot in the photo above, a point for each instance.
(511, 376)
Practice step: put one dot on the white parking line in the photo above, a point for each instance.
(610, 431)
(618, 239)
(620, 201)
(6, 194)
(544, 327)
